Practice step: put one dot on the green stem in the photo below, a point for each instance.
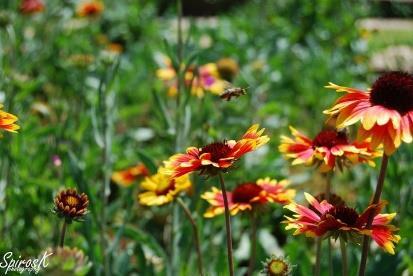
(227, 226)
(328, 177)
(327, 193)
(174, 240)
(106, 160)
(63, 233)
(174, 243)
(318, 257)
(253, 240)
(179, 73)
(344, 263)
(330, 257)
(196, 236)
(376, 199)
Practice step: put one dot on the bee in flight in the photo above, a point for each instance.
(233, 92)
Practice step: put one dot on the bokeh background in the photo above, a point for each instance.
(54, 64)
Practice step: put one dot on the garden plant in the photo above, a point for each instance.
(221, 137)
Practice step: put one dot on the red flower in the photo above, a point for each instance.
(248, 195)
(31, 6)
(127, 177)
(8, 121)
(215, 157)
(90, 8)
(385, 111)
(327, 150)
(324, 218)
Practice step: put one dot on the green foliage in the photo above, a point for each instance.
(54, 68)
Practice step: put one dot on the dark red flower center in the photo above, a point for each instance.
(217, 150)
(393, 90)
(245, 192)
(345, 214)
(167, 189)
(334, 199)
(330, 138)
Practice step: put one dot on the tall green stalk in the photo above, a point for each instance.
(344, 262)
(375, 200)
(227, 226)
(106, 136)
(327, 192)
(178, 136)
(195, 233)
(317, 257)
(253, 241)
(63, 233)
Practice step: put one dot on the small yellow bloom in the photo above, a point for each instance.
(201, 79)
(7, 121)
(160, 188)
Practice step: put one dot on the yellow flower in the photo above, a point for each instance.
(201, 79)
(7, 121)
(160, 188)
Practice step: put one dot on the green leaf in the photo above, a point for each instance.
(148, 161)
(143, 238)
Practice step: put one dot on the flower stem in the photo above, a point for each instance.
(330, 250)
(327, 193)
(253, 240)
(376, 199)
(63, 233)
(227, 226)
(328, 177)
(344, 263)
(318, 257)
(179, 74)
(330, 257)
(106, 168)
(196, 236)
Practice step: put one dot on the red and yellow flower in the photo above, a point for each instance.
(8, 121)
(330, 148)
(248, 195)
(216, 157)
(204, 78)
(127, 177)
(385, 111)
(31, 6)
(160, 188)
(90, 8)
(324, 218)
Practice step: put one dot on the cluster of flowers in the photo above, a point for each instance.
(172, 179)
(86, 8)
(386, 115)
(211, 77)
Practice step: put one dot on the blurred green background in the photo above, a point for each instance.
(53, 65)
